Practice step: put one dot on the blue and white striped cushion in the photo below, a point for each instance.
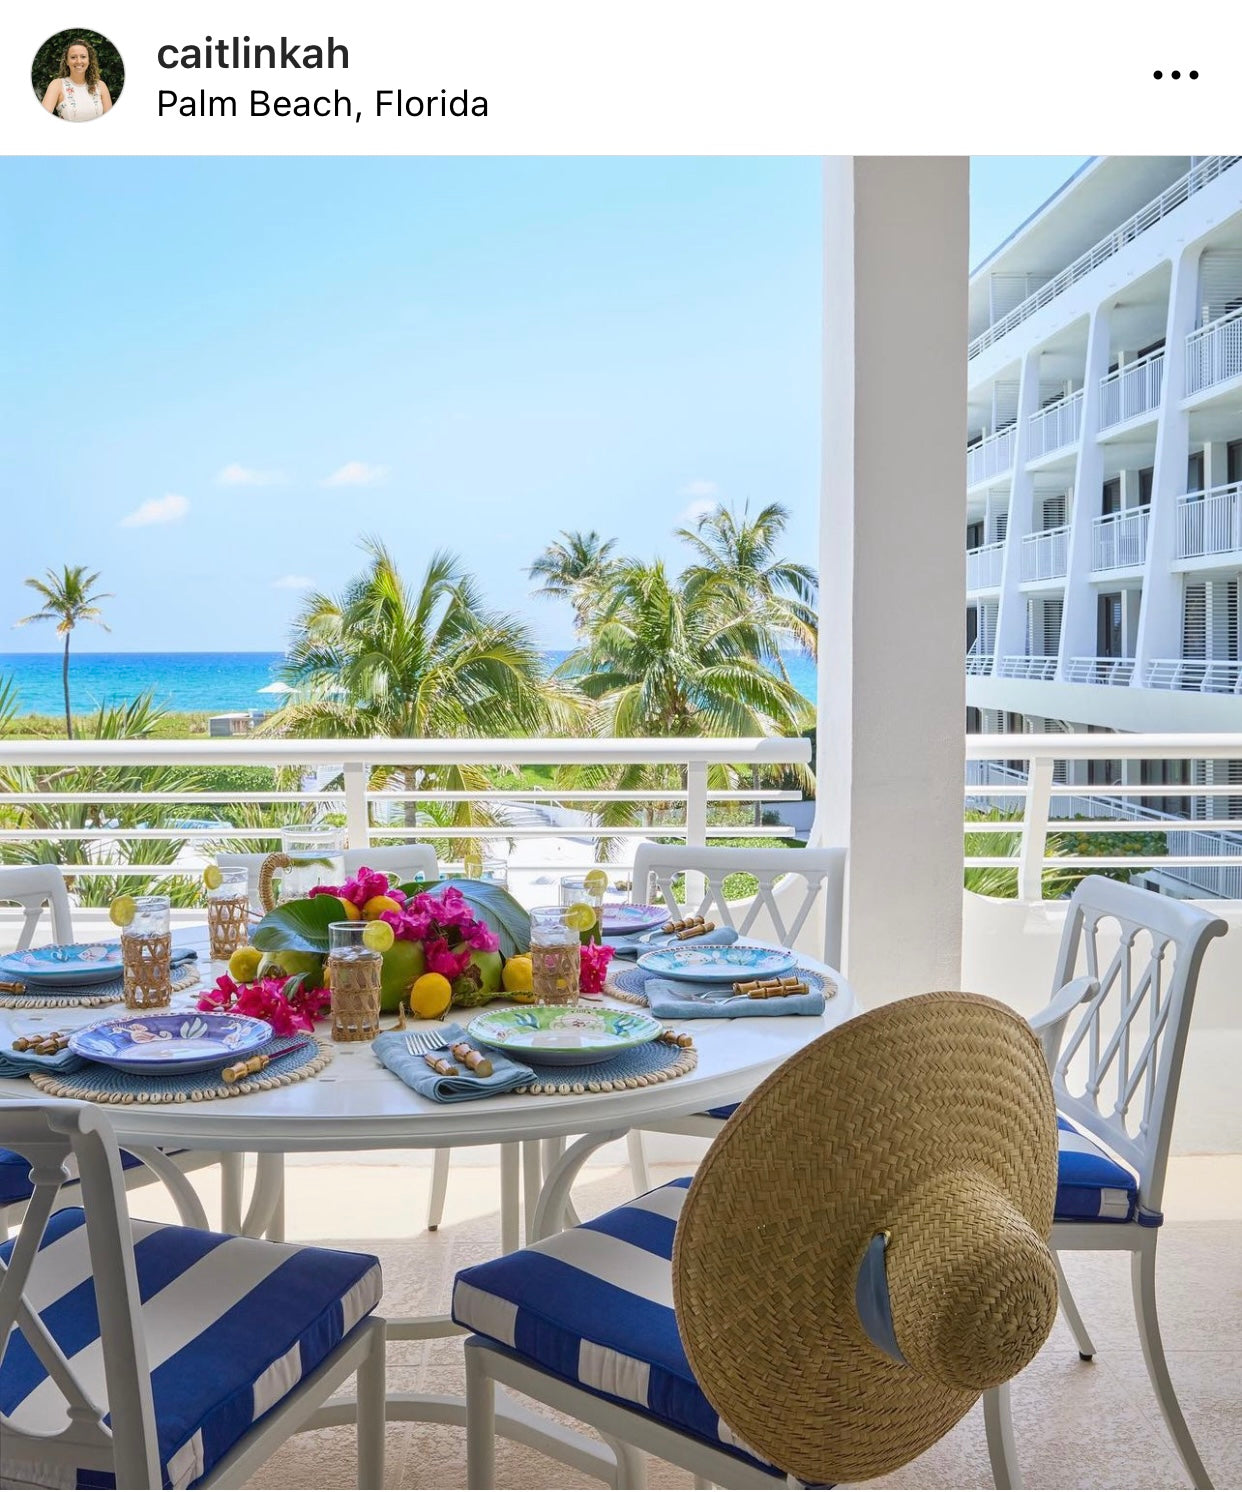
(1091, 1186)
(15, 1184)
(232, 1326)
(594, 1306)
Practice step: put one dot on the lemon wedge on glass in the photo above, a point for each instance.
(213, 876)
(123, 910)
(596, 882)
(581, 916)
(378, 937)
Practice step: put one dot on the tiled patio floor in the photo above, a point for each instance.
(1078, 1424)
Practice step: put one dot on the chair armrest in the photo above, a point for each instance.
(1049, 1024)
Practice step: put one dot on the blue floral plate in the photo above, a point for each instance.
(719, 963)
(563, 1035)
(621, 919)
(166, 1041)
(63, 963)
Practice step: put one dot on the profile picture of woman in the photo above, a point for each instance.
(78, 75)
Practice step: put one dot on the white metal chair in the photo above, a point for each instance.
(1115, 1037)
(164, 1355)
(34, 887)
(408, 861)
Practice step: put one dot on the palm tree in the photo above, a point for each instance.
(383, 659)
(68, 598)
(575, 567)
(738, 563)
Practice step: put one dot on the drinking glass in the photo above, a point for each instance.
(228, 909)
(555, 957)
(495, 869)
(146, 954)
(317, 860)
(575, 892)
(354, 972)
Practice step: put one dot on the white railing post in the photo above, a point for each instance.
(1033, 848)
(357, 819)
(696, 827)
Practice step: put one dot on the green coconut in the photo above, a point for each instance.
(287, 963)
(403, 963)
(481, 981)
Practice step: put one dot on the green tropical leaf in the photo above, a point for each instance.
(298, 926)
(507, 918)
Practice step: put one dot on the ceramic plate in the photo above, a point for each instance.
(561, 1035)
(63, 963)
(717, 964)
(164, 1041)
(620, 919)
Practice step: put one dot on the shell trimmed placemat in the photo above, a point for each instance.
(97, 1084)
(109, 992)
(628, 984)
(639, 1067)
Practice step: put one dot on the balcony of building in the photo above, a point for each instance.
(1214, 357)
(1099, 670)
(983, 567)
(1200, 675)
(1056, 427)
(1041, 666)
(991, 457)
(1209, 524)
(1119, 540)
(1132, 393)
(1045, 555)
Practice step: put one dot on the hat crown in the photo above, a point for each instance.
(972, 1286)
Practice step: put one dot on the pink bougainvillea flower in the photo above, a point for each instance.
(593, 960)
(266, 1000)
(360, 888)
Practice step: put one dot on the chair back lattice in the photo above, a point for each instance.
(106, 1388)
(822, 871)
(33, 887)
(1117, 1070)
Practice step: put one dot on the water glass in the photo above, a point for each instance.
(146, 954)
(574, 889)
(354, 972)
(228, 912)
(316, 860)
(495, 869)
(555, 957)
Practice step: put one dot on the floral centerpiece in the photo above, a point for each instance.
(462, 930)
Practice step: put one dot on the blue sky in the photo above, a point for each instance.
(229, 369)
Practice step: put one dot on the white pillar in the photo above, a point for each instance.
(891, 685)
(1078, 624)
(1011, 617)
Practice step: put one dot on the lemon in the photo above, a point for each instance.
(596, 882)
(581, 916)
(213, 876)
(518, 976)
(352, 913)
(430, 995)
(378, 904)
(244, 964)
(123, 910)
(378, 937)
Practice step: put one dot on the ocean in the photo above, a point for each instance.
(216, 682)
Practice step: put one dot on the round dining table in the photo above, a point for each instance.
(356, 1104)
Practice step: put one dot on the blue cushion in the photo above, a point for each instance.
(1091, 1186)
(15, 1175)
(726, 1111)
(594, 1306)
(233, 1326)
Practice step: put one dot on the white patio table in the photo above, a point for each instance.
(357, 1104)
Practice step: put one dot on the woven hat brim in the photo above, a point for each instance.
(812, 1166)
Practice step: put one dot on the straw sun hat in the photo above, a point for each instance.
(864, 1249)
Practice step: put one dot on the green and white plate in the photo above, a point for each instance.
(563, 1035)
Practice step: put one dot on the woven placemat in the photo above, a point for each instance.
(80, 996)
(628, 984)
(640, 1067)
(98, 1084)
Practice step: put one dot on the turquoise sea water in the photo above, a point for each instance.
(186, 681)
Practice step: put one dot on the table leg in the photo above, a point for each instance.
(550, 1215)
(510, 1212)
(532, 1183)
(267, 1199)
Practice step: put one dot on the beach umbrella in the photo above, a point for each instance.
(276, 688)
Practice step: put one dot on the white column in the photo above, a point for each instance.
(1011, 617)
(1159, 627)
(891, 686)
(1078, 622)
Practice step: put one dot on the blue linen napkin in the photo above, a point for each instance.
(645, 942)
(413, 1071)
(679, 1000)
(21, 1064)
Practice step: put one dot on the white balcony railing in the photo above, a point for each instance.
(1203, 675)
(1214, 352)
(1055, 426)
(977, 662)
(990, 457)
(1210, 522)
(1099, 670)
(103, 848)
(1028, 666)
(1203, 853)
(1132, 390)
(1147, 217)
(1119, 540)
(1045, 556)
(983, 566)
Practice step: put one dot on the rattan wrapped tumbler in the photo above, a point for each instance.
(354, 976)
(146, 954)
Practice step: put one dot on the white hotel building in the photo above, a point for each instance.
(1104, 463)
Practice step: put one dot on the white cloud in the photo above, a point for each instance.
(700, 487)
(157, 510)
(698, 510)
(292, 583)
(235, 475)
(355, 474)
